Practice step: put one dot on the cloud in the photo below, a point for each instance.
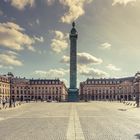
(124, 2)
(30, 24)
(65, 81)
(37, 21)
(52, 73)
(86, 58)
(39, 39)
(59, 42)
(50, 2)
(105, 46)
(112, 67)
(12, 36)
(83, 59)
(75, 9)
(65, 59)
(1, 13)
(6, 67)
(33, 23)
(41, 52)
(20, 5)
(91, 72)
(9, 59)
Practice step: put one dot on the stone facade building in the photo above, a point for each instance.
(109, 89)
(4, 88)
(23, 89)
(38, 89)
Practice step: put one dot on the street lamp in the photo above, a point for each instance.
(137, 84)
(10, 76)
(120, 92)
(10, 102)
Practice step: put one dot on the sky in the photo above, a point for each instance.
(34, 38)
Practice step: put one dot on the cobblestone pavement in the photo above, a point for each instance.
(71, 121)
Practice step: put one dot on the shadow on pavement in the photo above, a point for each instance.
(122, 109)
(137, 136)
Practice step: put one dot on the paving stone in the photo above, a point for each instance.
(71, 121)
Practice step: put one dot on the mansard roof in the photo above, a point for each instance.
(108, 80)
(4, 78)
(45, 81)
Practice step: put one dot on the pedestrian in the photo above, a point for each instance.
(3, 103)
(120, 100)
(14, 102)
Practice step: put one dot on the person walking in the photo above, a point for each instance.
(3, 103)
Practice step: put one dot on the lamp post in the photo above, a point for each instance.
(137, 87)
(10, 76)
(136, 93)
(10, 101)
(120, 93)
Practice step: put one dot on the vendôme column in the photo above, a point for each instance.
(73, 91)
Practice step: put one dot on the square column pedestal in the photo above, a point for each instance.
(73, 95)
